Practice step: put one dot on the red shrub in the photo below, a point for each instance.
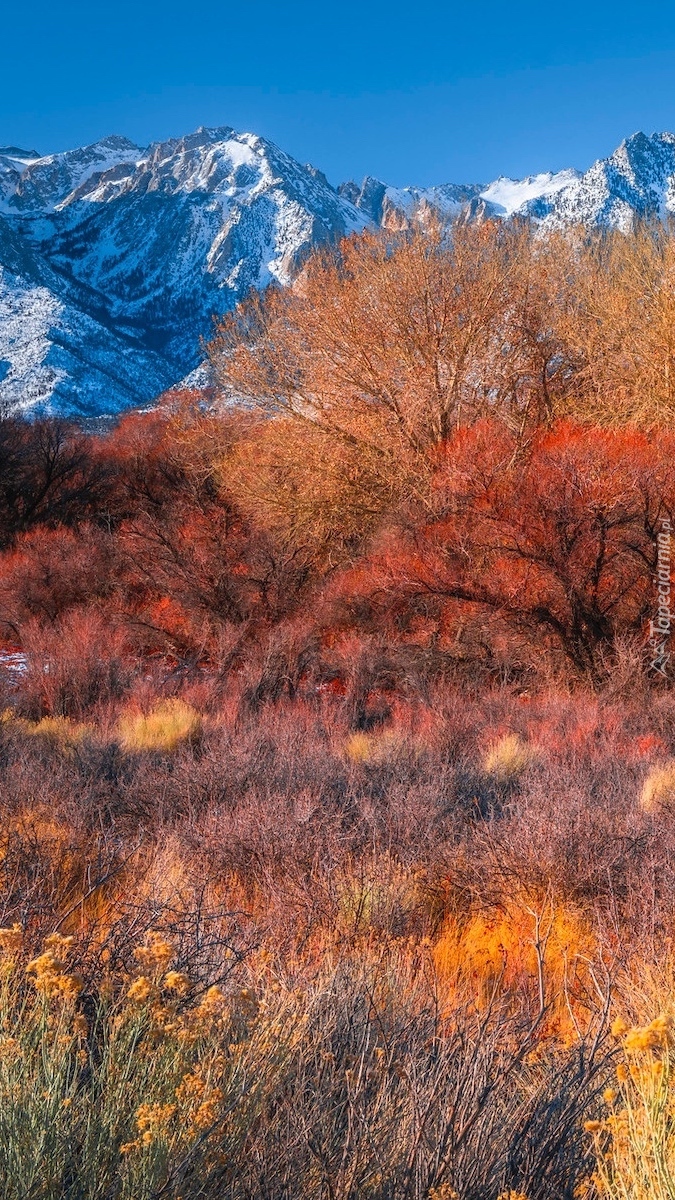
(552, 546)
(75, 664)
(53, 570)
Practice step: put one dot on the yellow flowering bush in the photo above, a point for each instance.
(101, 1103)
(118, 1100)
(635, 1139)
(48, 971)
(144, 1083)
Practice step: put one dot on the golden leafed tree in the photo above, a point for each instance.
(381, 350)
(619, 328)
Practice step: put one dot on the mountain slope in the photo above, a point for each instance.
(55, 356)
(57, 359)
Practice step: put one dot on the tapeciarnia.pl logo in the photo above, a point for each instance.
(660, 625)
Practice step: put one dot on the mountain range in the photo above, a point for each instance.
(115, 258)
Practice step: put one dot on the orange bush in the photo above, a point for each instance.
(537, 952)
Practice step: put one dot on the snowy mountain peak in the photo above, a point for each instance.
(234, 167)
(148, 244)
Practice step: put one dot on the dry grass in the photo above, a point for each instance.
(507, 759)
(376, 748)
(338, 906)
(658, 790)
(168, 725)
(61, 732)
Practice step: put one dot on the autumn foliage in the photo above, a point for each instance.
(328, 734)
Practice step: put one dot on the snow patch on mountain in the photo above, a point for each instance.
(524, 196)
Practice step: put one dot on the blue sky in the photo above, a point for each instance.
(422, 93)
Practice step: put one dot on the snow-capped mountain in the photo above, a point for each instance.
(139, 249)
(397, 208)
(636, 182)
(186, 231)
(115, 258)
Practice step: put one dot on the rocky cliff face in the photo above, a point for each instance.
(114, 259)
(396, 208)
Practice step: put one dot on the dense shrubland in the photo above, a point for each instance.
(337, 792)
